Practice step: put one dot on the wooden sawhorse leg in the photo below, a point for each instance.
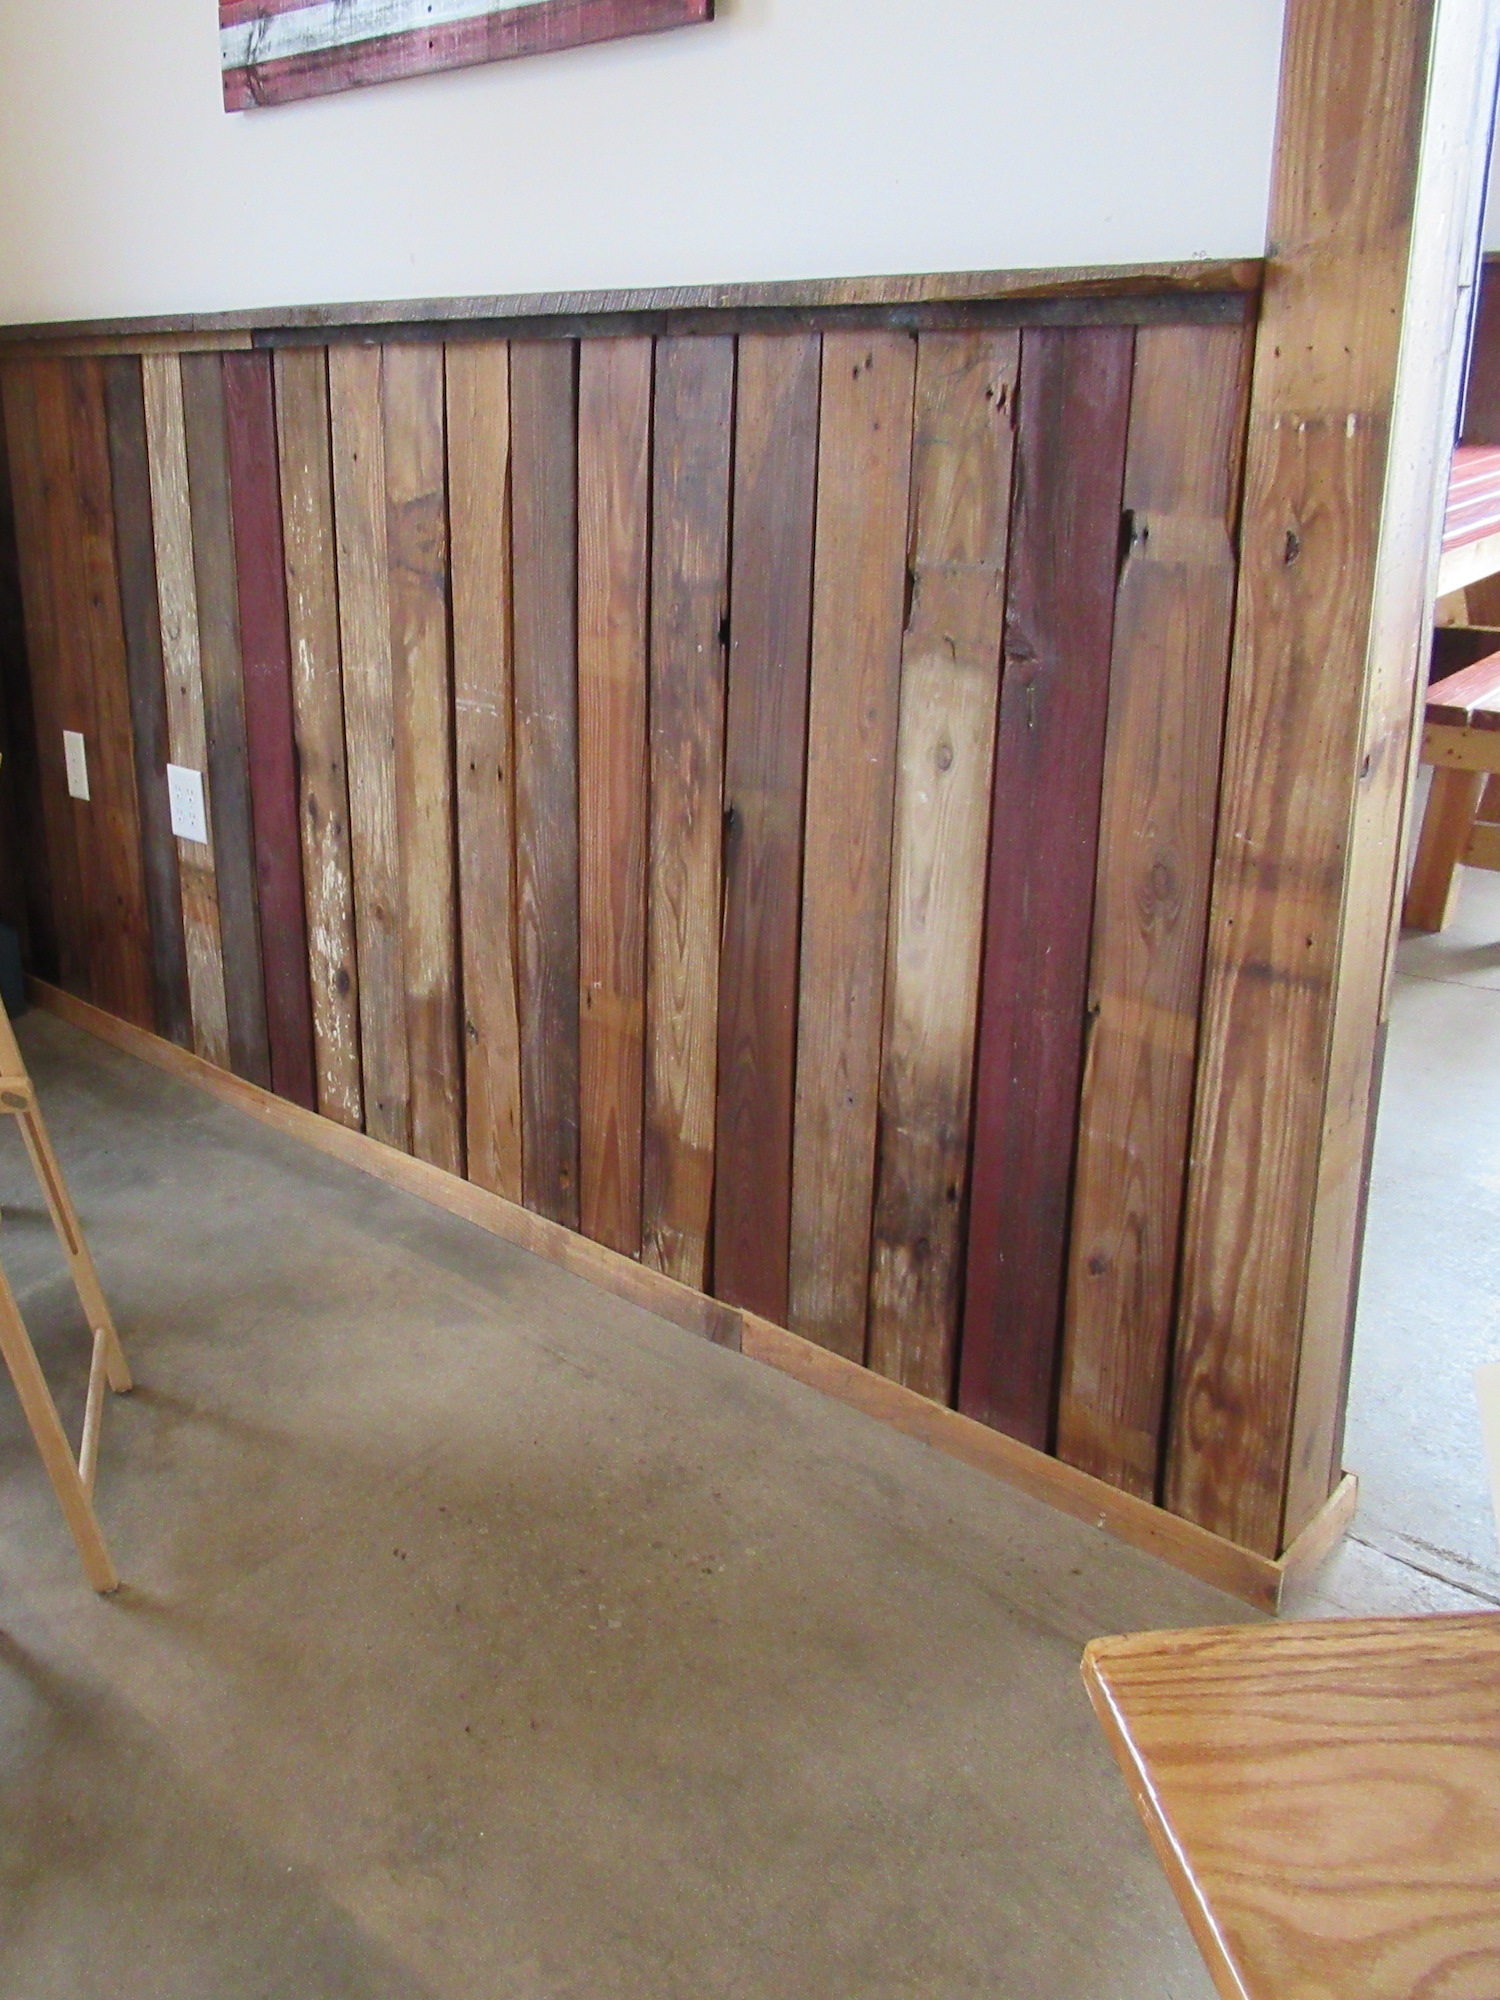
(1446, 825)
(72, 1482)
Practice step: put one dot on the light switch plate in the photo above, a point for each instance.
(77, 764)
(185, 797)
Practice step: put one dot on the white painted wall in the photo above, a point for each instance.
(790, 138)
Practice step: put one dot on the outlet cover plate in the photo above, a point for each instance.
(185, 798)
(76, 761)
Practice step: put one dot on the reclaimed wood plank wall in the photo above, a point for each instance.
(748, 796)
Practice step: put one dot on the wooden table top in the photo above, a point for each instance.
(1325, 1799)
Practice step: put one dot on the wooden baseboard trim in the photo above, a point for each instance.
(1255, 1579)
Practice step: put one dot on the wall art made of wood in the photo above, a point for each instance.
(749, 798)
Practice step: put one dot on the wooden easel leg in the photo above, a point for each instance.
(51, 1441)
(75, 1248)
(1451, 805)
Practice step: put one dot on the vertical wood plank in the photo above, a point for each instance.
(131, 479)
(859, 592)
(694, 414)
(224, 714)
(303, 435)
(359, 486)
(544, 529)
(24, 824)
(417, 544)
(28, 485)
(478, 375)
(1064, 539)
(614, 511)
(73, 693)
(260, 562)
(1374, 223)
(765, 767)
(950, 680)
(123, 983)
(1161, 772)
(187, 735)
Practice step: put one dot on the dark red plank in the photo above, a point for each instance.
(148, 700)
(255, 496)
(765, 769)
(1049, 763)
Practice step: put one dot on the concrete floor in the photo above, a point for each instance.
(485, 1636)
(1429, 1307)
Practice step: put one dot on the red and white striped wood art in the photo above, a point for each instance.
(275, 50)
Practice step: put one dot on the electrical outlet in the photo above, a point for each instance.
(185, 797)
(77, 764)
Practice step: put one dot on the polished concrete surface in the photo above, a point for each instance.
(1429, 1306)
(484, 1636)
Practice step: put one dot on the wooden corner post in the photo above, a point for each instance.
(1376, 197)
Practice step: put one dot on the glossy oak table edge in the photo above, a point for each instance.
(1364, 1755)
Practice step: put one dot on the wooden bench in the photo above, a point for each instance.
(1461, 741)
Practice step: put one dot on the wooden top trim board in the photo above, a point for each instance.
(1236, 281)
(1256, 1579)
(1324, 1798)
(1469, 699)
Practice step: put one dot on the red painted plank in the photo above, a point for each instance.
(1049, 763)
(269, 725)
(553, 24)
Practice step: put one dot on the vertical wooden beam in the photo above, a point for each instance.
(478, 378)
(260, 561)
(1044, 836)
(544, 544)
(945, 757)
(689, 598)
(187, 732)
(859, 591)
(614, 541)
(1156, 844)
(765, 770)
(1373, 228)
(304, 451)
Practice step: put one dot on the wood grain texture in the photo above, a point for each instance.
(28, 486)
(110, 838)
(1074, 405)
(765, 770)
(478, 380)
(23, 827)
(306, 478)
(417, 546)
(1184, 281)
(527, 29)
(859, 591)
(950, 682)
(359, 489)
(691, 443)
(1324, 1798)
(1333, 595)
(544, 530)
(614, 569)
(224, 713)
(131, 482)
(1166, 716)
(187, 733)
(270, 728)
(1449, 205)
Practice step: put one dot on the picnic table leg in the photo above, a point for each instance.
(1451, 806)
